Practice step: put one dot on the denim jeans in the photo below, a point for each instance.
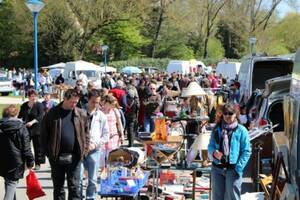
(149, 124)
(10, 189)
(225, 184)
(58, 173)
(91, 164)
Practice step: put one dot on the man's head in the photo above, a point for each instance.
(94, 99)
(152, 88)
(71, 98)
(79, 85)
(47, 96)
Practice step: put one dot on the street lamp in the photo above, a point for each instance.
(252, 41)
(104, 47)
(35, 6)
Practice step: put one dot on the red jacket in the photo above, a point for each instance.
(118, 93)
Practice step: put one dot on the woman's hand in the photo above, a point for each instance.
(29, 124)
(92, 146)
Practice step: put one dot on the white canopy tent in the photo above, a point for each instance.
(55, 66)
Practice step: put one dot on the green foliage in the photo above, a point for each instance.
(215, 49)
(288, 30)
(136, 30)
(58, 34)
(141, 62)
(12, 37)
(124, 39)
(233, 38)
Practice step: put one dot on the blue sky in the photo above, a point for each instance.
(284, 8)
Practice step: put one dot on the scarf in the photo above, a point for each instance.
(227, 130)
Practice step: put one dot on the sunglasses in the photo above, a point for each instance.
(228, 113)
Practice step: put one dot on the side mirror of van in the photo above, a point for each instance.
(74, 77)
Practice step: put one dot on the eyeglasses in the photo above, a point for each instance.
(228, 113)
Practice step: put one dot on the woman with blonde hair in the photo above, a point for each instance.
(116, 130)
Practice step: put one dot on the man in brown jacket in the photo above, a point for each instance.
(65, 142)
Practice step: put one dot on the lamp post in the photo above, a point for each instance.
(252, 41)
(35, 6)
(105, 47)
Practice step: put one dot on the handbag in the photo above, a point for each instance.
(34, 188)
(65, 159)
(119, 124)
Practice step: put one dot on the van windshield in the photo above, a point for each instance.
(89, 73)
(264, 70)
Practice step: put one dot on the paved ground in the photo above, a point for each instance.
(45, 180)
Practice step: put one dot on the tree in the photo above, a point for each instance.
(213, 8)
(233, 37)
(157, 15)
(92, 16)
(58, 34)
(215, 49)
(124, 39)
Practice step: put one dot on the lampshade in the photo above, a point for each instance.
(35, 5)
(104, 47)
(194, 89)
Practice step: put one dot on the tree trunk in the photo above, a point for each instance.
(207, 32)
(154, 42)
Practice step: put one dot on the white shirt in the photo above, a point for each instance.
(99, 132)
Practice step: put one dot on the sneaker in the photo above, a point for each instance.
(37, 167)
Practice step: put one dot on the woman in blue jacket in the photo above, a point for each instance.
(229, 148)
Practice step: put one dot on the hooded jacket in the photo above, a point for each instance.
(15, 148)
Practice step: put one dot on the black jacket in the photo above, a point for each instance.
(15, 148)
(27, 114)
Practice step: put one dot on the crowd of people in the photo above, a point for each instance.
(78, 133)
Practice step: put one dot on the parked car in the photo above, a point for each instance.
(5, 86)
(271, 106)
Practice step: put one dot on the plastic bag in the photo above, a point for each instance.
(34, 188)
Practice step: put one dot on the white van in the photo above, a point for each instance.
(73, 69)
(255, 70)
(184, 66)
(229, 70)
(179, 66)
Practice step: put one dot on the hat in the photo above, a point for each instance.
(193, 89)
